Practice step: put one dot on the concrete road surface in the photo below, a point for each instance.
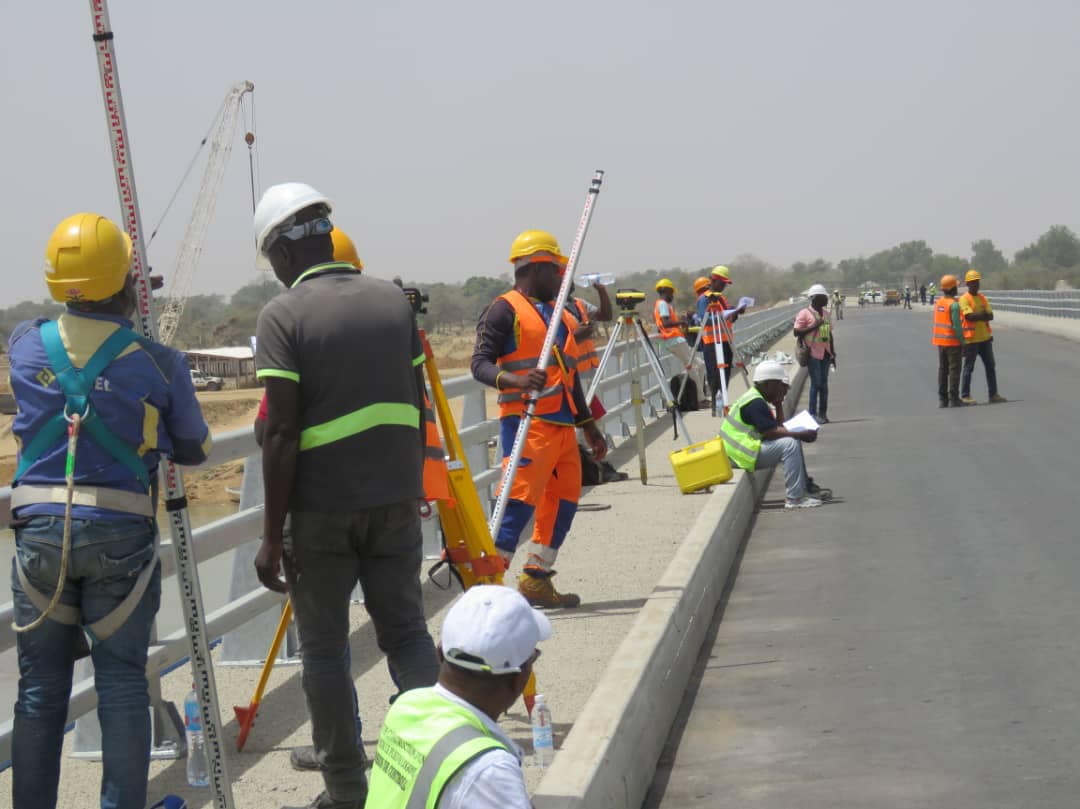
(916, 643)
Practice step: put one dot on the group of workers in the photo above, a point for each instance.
(962, 334)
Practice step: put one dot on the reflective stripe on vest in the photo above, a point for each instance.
(425, 741)
(971, 326)
(436, 478)
(587, 356)
(741, 440)
(530, 331)
(666, 332)
(714, 330)
(944, 334)
(380, 414)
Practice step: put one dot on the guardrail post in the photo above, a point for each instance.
(247, 645)
(474, 411)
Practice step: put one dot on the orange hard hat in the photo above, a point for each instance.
(949, 282)
(701, 284)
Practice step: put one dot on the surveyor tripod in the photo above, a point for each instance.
(630, 330)
(717, 323)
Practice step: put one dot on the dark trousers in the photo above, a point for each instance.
(818, 370)
(712, 373)
(985, 350)
(325, 555)
(948, 375)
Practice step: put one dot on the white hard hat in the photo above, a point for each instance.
(769, 369)
(492, 629)
(278, 204)
(816, 289)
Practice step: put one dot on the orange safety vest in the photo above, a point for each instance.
(529, 333)
(666, 332)
(715, 333)
(944, 334)
(436, 478)
(587, 356)
(969, 327)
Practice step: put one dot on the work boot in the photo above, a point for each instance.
(819, 492)
(304, 760)
(997, 398)
(803, 502)
(959, 402)
(540, 592)
(943, 403)
(968, 400)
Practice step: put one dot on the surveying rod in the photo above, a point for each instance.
(187, 572)
(545, 355)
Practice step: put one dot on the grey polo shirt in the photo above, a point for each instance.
(350, 342)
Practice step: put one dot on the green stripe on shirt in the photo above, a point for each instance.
(376, 415)
(265, 372)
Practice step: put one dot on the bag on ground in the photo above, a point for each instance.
(690, 396)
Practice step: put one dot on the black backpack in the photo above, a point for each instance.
(690, 397)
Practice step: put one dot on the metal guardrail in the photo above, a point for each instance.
(754, 333)
(1044, 303)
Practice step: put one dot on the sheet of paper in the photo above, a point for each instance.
(801, 421)
(745, 301)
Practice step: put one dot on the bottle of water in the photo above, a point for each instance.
(543, 743)
(607, 279)
(198, 769)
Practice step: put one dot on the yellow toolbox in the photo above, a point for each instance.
(700, 465)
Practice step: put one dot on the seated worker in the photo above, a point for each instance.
(754, 436)
(446, 740)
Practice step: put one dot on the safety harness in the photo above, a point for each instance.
(78, 412)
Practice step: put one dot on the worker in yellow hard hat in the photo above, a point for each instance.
(86, 561)
(719, 317)
(672, 339)
(509, 341)
(948, 338)
(344, 249)
(978, 338)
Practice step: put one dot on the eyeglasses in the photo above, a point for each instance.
(313, 227)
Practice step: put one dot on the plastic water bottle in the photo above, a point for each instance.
(543, 743)
(198, 769)
(607, 279)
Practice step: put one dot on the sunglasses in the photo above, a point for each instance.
(314, 227)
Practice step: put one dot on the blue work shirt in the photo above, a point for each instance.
(145, 397)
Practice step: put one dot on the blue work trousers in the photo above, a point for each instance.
(819, 385)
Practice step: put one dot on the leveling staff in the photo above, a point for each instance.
(509, 340)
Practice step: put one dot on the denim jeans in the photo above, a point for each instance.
(106, 557)
(985, 351)
(325, 555)
(787, 451)
(819, 385)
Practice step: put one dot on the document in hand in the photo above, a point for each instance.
(801, 421)
(745, 301)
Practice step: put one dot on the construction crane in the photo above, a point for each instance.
(220, 138)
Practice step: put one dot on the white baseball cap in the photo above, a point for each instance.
(769, 369)
(492, 629)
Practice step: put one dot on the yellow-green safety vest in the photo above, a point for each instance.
(741, 440)
(425, 741)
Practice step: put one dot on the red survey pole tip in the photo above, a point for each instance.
(246, 718)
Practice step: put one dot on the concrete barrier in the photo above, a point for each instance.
(609, 757)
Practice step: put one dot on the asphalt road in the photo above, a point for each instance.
(916, 643)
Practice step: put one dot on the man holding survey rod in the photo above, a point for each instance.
(756, 436)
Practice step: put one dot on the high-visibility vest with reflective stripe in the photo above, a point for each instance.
(436, 479)
(714, 332)
(943, 334)
(742, 441)
(971, 327)
(587, 356)
(529, 332)
(425, 741)
(666, 332)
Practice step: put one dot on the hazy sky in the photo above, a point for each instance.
(791, 130)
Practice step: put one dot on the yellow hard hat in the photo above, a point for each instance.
(949, 282)
(533, 246)
(720, 271)
(665, 283)
(344, 249)
(700, 284)
(972, 275)
(87, 259)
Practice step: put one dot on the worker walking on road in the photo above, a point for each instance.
(948, 336)
(343, 453)
(755, 438)
(978, 339)
(813, 325)
(442, 747)
(670, 329)
(124, 401)
(509, 340)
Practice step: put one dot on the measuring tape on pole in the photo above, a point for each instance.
(545, 355)
(187, 572)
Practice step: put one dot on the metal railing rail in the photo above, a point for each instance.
(1041, 302)
(754, 332)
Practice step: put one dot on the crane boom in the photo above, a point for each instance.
(187, 260)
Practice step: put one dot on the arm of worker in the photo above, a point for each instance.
(770, 426)
(806, 322)
(183, 420)
(604, 312)
(668, 316)
(418, 367)
(958, 323)
(493, 332)
(702, 306)
(260, 421)
(587, 423)
(278, 366)
(968, 311)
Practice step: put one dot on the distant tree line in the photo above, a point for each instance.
(1052, 259)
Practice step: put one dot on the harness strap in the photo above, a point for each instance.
(94, 496)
